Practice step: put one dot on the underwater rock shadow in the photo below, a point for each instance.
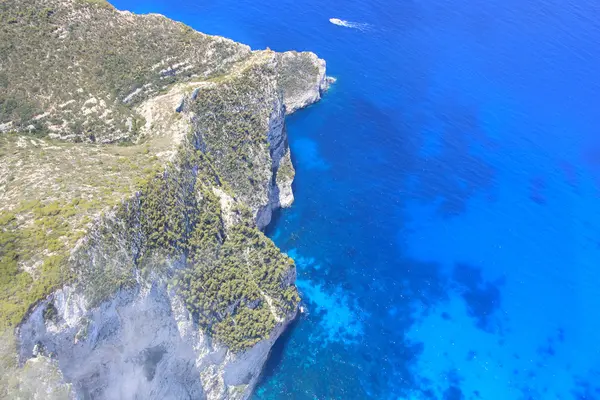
(483, 298)
(454, 174)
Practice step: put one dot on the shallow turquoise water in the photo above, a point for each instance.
(446, 226)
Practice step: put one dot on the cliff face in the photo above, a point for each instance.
(141, 344)
(140, 271)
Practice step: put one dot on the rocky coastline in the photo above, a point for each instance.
(133, 205)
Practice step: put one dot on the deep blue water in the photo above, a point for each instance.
(447, 220)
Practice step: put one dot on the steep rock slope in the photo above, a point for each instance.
(138, 163)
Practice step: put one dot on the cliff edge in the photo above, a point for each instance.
(139, 162)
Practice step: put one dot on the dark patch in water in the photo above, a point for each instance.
(457, 173)
(454, 378)
(537, 186)
(570, 173)
(482, 298)
(453, 393)
(588, 388)
(547, 350)
(424, 282)
(471, 355)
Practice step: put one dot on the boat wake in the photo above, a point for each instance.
(349, 24)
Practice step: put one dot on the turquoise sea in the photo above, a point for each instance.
(447, 218)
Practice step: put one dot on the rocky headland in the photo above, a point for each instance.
(139, 162)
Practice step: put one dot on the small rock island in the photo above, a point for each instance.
(139, 162)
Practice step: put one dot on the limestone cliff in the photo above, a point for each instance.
(139, 161)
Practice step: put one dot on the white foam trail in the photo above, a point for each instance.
(349, 24)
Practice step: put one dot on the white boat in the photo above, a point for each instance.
(349, 24)
(337, 21)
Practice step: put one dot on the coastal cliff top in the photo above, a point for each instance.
(76, 69)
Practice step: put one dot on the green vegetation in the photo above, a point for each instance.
(44, 239)
(285, 172)
(176, 218)
(50, 312)
(97, 3)
(87, 72)
(296, 69)
(226, 292)
(49, 197)
(233, 124)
